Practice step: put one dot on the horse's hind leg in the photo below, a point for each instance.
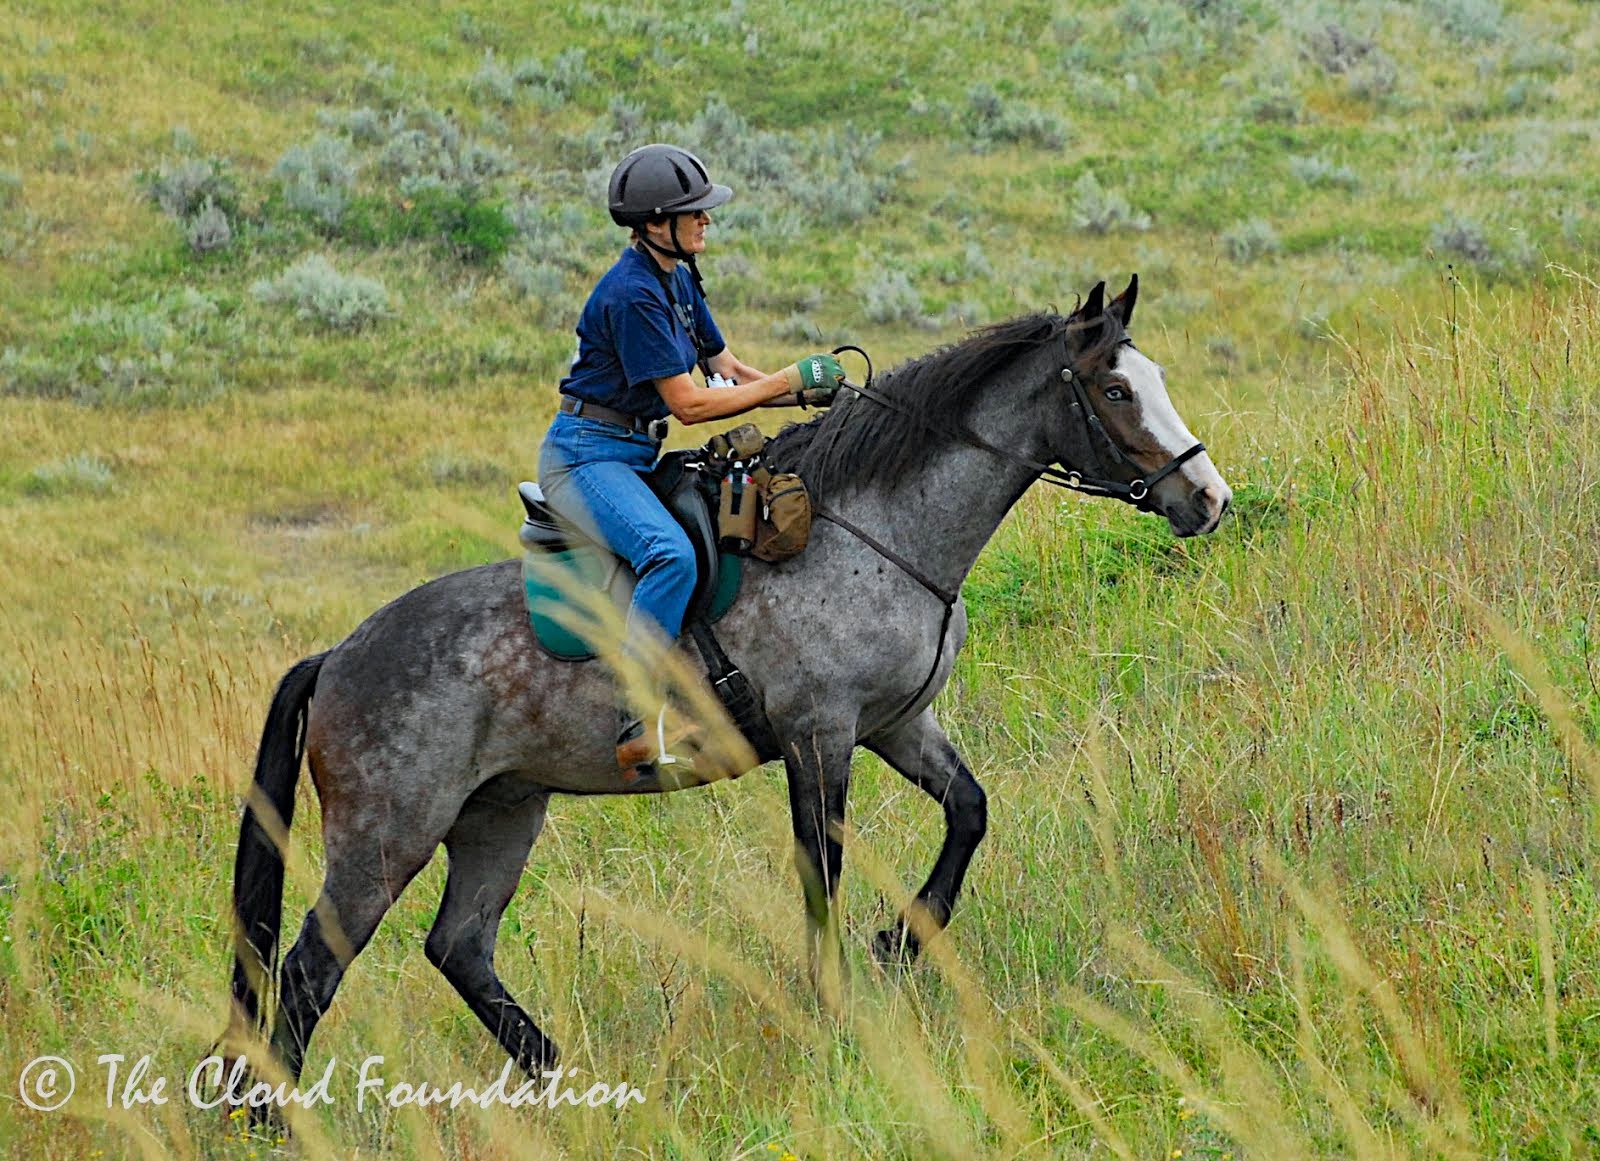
(920, 751)
(488, 846)
(367, 870)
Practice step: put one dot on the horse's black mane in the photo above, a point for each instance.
(859, 443)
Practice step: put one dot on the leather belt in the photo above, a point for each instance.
(656, 429)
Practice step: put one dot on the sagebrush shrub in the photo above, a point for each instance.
(209, 230)
(1336, 50)
(494, 81)
(1097, 210)
(1320, 172)
(320, 294)
(1374, 78)
(162, 350)
(532, 278)
(628, 117)
(182, 188)
(827, 176)
(1508, 255)
(363, 126)
(426, 149)
(1462, 238)
(552, 85)
(563, 236)
(1273, 102)
(797, 328)
(80, 472)
(992, 120)
(318, 178)
(889, 297)
(1251, 240)
(1480, 21)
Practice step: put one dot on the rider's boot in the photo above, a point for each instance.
(633, 748)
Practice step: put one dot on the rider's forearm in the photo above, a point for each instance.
(692, 404)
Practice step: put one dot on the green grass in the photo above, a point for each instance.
(1291, 827)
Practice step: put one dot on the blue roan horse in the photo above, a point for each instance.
(438, 721)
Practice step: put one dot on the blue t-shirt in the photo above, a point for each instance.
(630, 335)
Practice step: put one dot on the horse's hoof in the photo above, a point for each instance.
(894, 947)
(536, 1058)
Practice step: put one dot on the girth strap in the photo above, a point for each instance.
(733, 690)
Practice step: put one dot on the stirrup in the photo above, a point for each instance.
(664, 756)
(633, 748)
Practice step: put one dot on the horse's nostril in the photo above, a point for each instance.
(1212, 499)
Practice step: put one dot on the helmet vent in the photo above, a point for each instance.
(683, 178)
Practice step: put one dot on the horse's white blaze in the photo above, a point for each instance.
(1162, 420)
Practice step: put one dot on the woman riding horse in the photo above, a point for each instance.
(436, 721)
(643, 331)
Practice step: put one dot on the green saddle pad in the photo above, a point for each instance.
(561, 624)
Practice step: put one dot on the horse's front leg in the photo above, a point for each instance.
(818, 764)
(920, 751)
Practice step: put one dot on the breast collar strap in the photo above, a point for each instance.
(946, 597)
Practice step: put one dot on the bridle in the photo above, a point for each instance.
(1136, 493)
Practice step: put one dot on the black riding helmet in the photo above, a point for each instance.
(656, 180)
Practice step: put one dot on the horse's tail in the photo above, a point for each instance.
(263, 841)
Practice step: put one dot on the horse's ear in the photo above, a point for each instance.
(1121, 307)
(1095, 306)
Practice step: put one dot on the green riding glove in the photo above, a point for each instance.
(815, 372)
(815, 380)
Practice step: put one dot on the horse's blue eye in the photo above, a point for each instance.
(1116, 394)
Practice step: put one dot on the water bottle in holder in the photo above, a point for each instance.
(737, 511)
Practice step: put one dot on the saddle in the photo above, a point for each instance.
(549, 539)
(553, 544)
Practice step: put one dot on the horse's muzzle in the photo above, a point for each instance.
(1201, 511)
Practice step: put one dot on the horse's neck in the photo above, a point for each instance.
(941, 514)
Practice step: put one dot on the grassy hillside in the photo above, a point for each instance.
(1291, 829)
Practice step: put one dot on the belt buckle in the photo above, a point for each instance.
(656, 429)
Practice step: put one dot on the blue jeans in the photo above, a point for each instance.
(592, 473)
